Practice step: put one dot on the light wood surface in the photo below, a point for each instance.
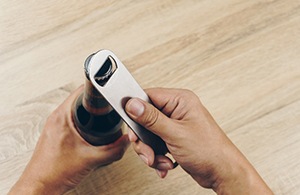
(240, 57)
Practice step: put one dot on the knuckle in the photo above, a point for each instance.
(54, 116)
(189, 96)
(119, 155)
(188, 93)
(58, 118)
(151, 118)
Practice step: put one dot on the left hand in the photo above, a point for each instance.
(62, 158)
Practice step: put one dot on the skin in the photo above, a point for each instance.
(62, 158)
(195, 141)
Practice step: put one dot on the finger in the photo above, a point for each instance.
(111, 152)
(132, 136)
(147, 156)
(118, 148)
(148, 116)
(123, 141)
(162, 163)
(161, 96)
(145, 152)
(174, 103)
(161, 173)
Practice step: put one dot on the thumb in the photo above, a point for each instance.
(150, 117)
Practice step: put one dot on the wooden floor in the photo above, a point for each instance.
(242, 58)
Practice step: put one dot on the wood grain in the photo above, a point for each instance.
(240, 57)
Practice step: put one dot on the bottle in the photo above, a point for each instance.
(95, 120)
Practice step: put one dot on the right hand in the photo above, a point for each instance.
(194, 140)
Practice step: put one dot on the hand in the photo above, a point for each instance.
(62, 158)
(195, 141)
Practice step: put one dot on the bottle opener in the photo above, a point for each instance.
(117, 89)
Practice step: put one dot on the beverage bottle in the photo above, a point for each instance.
(95, 120)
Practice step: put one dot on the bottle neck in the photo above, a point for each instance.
(93, 101)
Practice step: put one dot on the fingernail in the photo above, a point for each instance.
(161, 173)
(135, 107)
(144, 158)
(158, 173)
(164, 166)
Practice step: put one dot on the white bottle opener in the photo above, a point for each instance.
(117, 89)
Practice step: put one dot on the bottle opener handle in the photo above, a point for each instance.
(117, 89)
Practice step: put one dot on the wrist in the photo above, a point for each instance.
(239, 177)
(22, 187)
(26, 187)
(235, 179)
(32, 185)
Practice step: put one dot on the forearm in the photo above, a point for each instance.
(240, 177)
(247, 182)
(24, 187)
(35, 187)
(31, 183)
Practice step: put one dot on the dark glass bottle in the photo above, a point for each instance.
(96, 121)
